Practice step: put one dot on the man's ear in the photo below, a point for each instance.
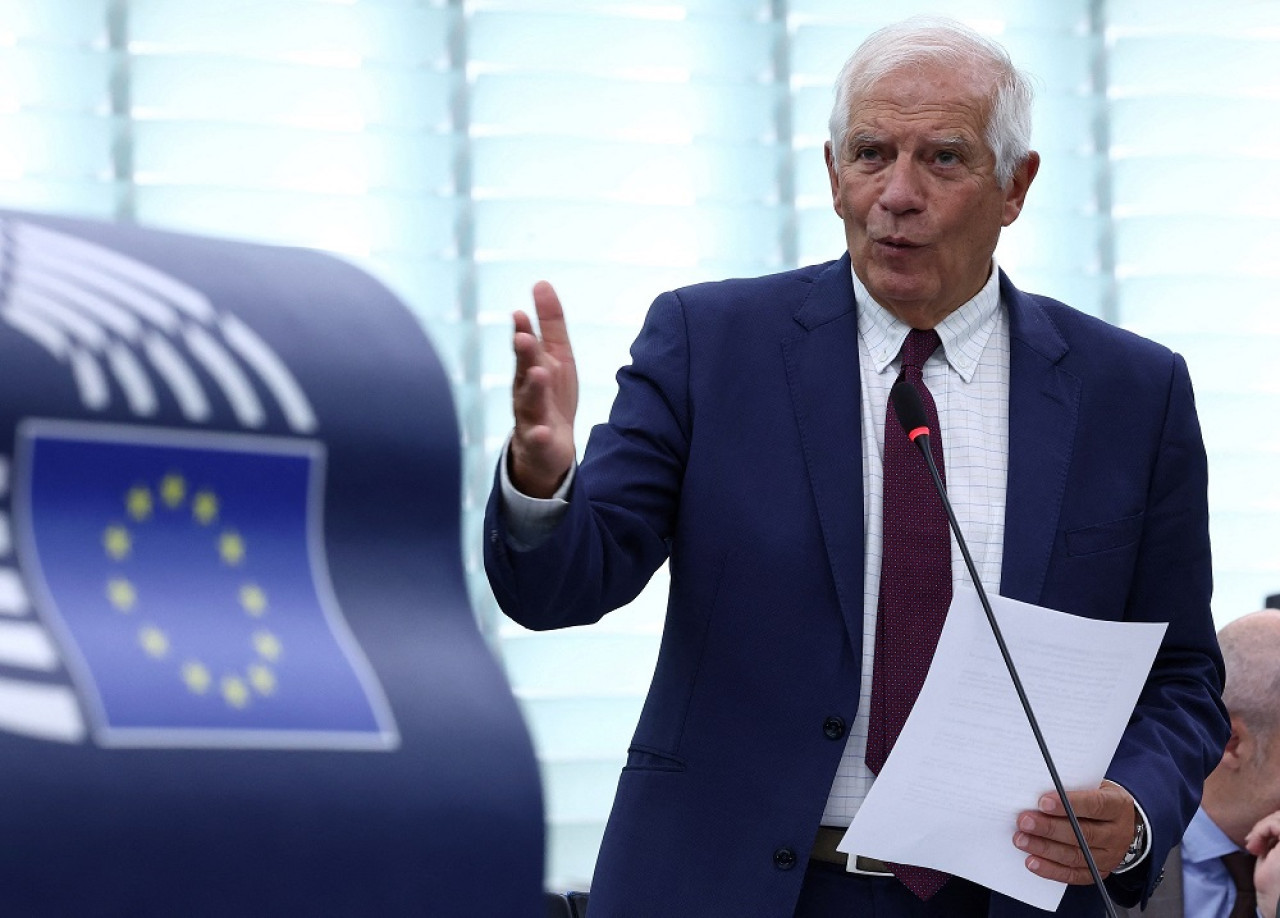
(834, 177)
(1016, 194)
(1238, 746)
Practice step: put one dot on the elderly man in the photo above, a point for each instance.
(1238, 815)
(752, 444)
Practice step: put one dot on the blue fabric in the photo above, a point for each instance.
(733, 448)
(1207, 890)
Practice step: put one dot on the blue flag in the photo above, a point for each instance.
(184, 574)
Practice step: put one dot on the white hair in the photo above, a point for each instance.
(927, 40)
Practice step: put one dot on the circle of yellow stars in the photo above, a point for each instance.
(172, 494)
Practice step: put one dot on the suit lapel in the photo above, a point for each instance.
(822, 372)
(823, 375)
(1043, 414)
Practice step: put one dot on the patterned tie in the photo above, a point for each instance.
(915, 582)
(1240, 865)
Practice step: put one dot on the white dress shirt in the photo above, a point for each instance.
(968, 377)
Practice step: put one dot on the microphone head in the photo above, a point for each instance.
(909, 409)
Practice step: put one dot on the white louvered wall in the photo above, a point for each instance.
(462, 150)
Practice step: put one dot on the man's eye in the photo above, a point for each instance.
(947, 158)
(865, 155)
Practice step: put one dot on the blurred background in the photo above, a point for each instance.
(462, 149)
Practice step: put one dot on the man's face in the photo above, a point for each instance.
(1260, 776)
(916, 189)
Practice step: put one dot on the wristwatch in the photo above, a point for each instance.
(1139, 843)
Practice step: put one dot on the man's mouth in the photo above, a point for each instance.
(897, 242)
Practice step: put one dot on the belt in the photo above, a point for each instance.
(824, 849)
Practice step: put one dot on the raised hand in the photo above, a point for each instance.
(544, 397)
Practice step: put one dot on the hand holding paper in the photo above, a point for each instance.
(1106, 816)
(966, 763)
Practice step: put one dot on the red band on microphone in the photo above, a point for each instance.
(919, 431)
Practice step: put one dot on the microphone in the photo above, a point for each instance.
(915, 421)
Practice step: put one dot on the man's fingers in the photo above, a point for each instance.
(1068, 855)
(1051, 870)
(524, 341)
(1063, 862)
(1264, 836)
(1052, 828)
(555, 333)
(1103, 803)
(1054, 838)
(530, 400)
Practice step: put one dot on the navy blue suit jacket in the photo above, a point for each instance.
(733, 448)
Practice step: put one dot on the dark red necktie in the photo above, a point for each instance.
(1240, 866)
(915, 581)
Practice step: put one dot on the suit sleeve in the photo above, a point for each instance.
(624, 498)
(1179, 726)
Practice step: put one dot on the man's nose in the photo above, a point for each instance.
(903, 190)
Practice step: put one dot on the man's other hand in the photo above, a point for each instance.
(1107, 818)
(544, 396)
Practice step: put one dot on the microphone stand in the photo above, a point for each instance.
(906, 406)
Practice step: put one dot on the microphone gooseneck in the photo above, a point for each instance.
(914, 420)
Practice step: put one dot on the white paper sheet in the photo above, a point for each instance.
(966, 762)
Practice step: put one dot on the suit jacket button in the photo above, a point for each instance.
(784, 858)
(833, 727)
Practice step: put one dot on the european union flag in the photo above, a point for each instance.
(185, 575)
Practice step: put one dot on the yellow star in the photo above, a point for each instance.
(231, 547)
(204, 507)
(138, 503)
(153, 641)
(234, 691)
(117, 541)
(196, 676)
(267, 645)
(253, 599)
(121, 593)
(262, 679)
(173, 490)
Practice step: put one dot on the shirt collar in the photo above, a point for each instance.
(964, 333)
(1204, 841)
